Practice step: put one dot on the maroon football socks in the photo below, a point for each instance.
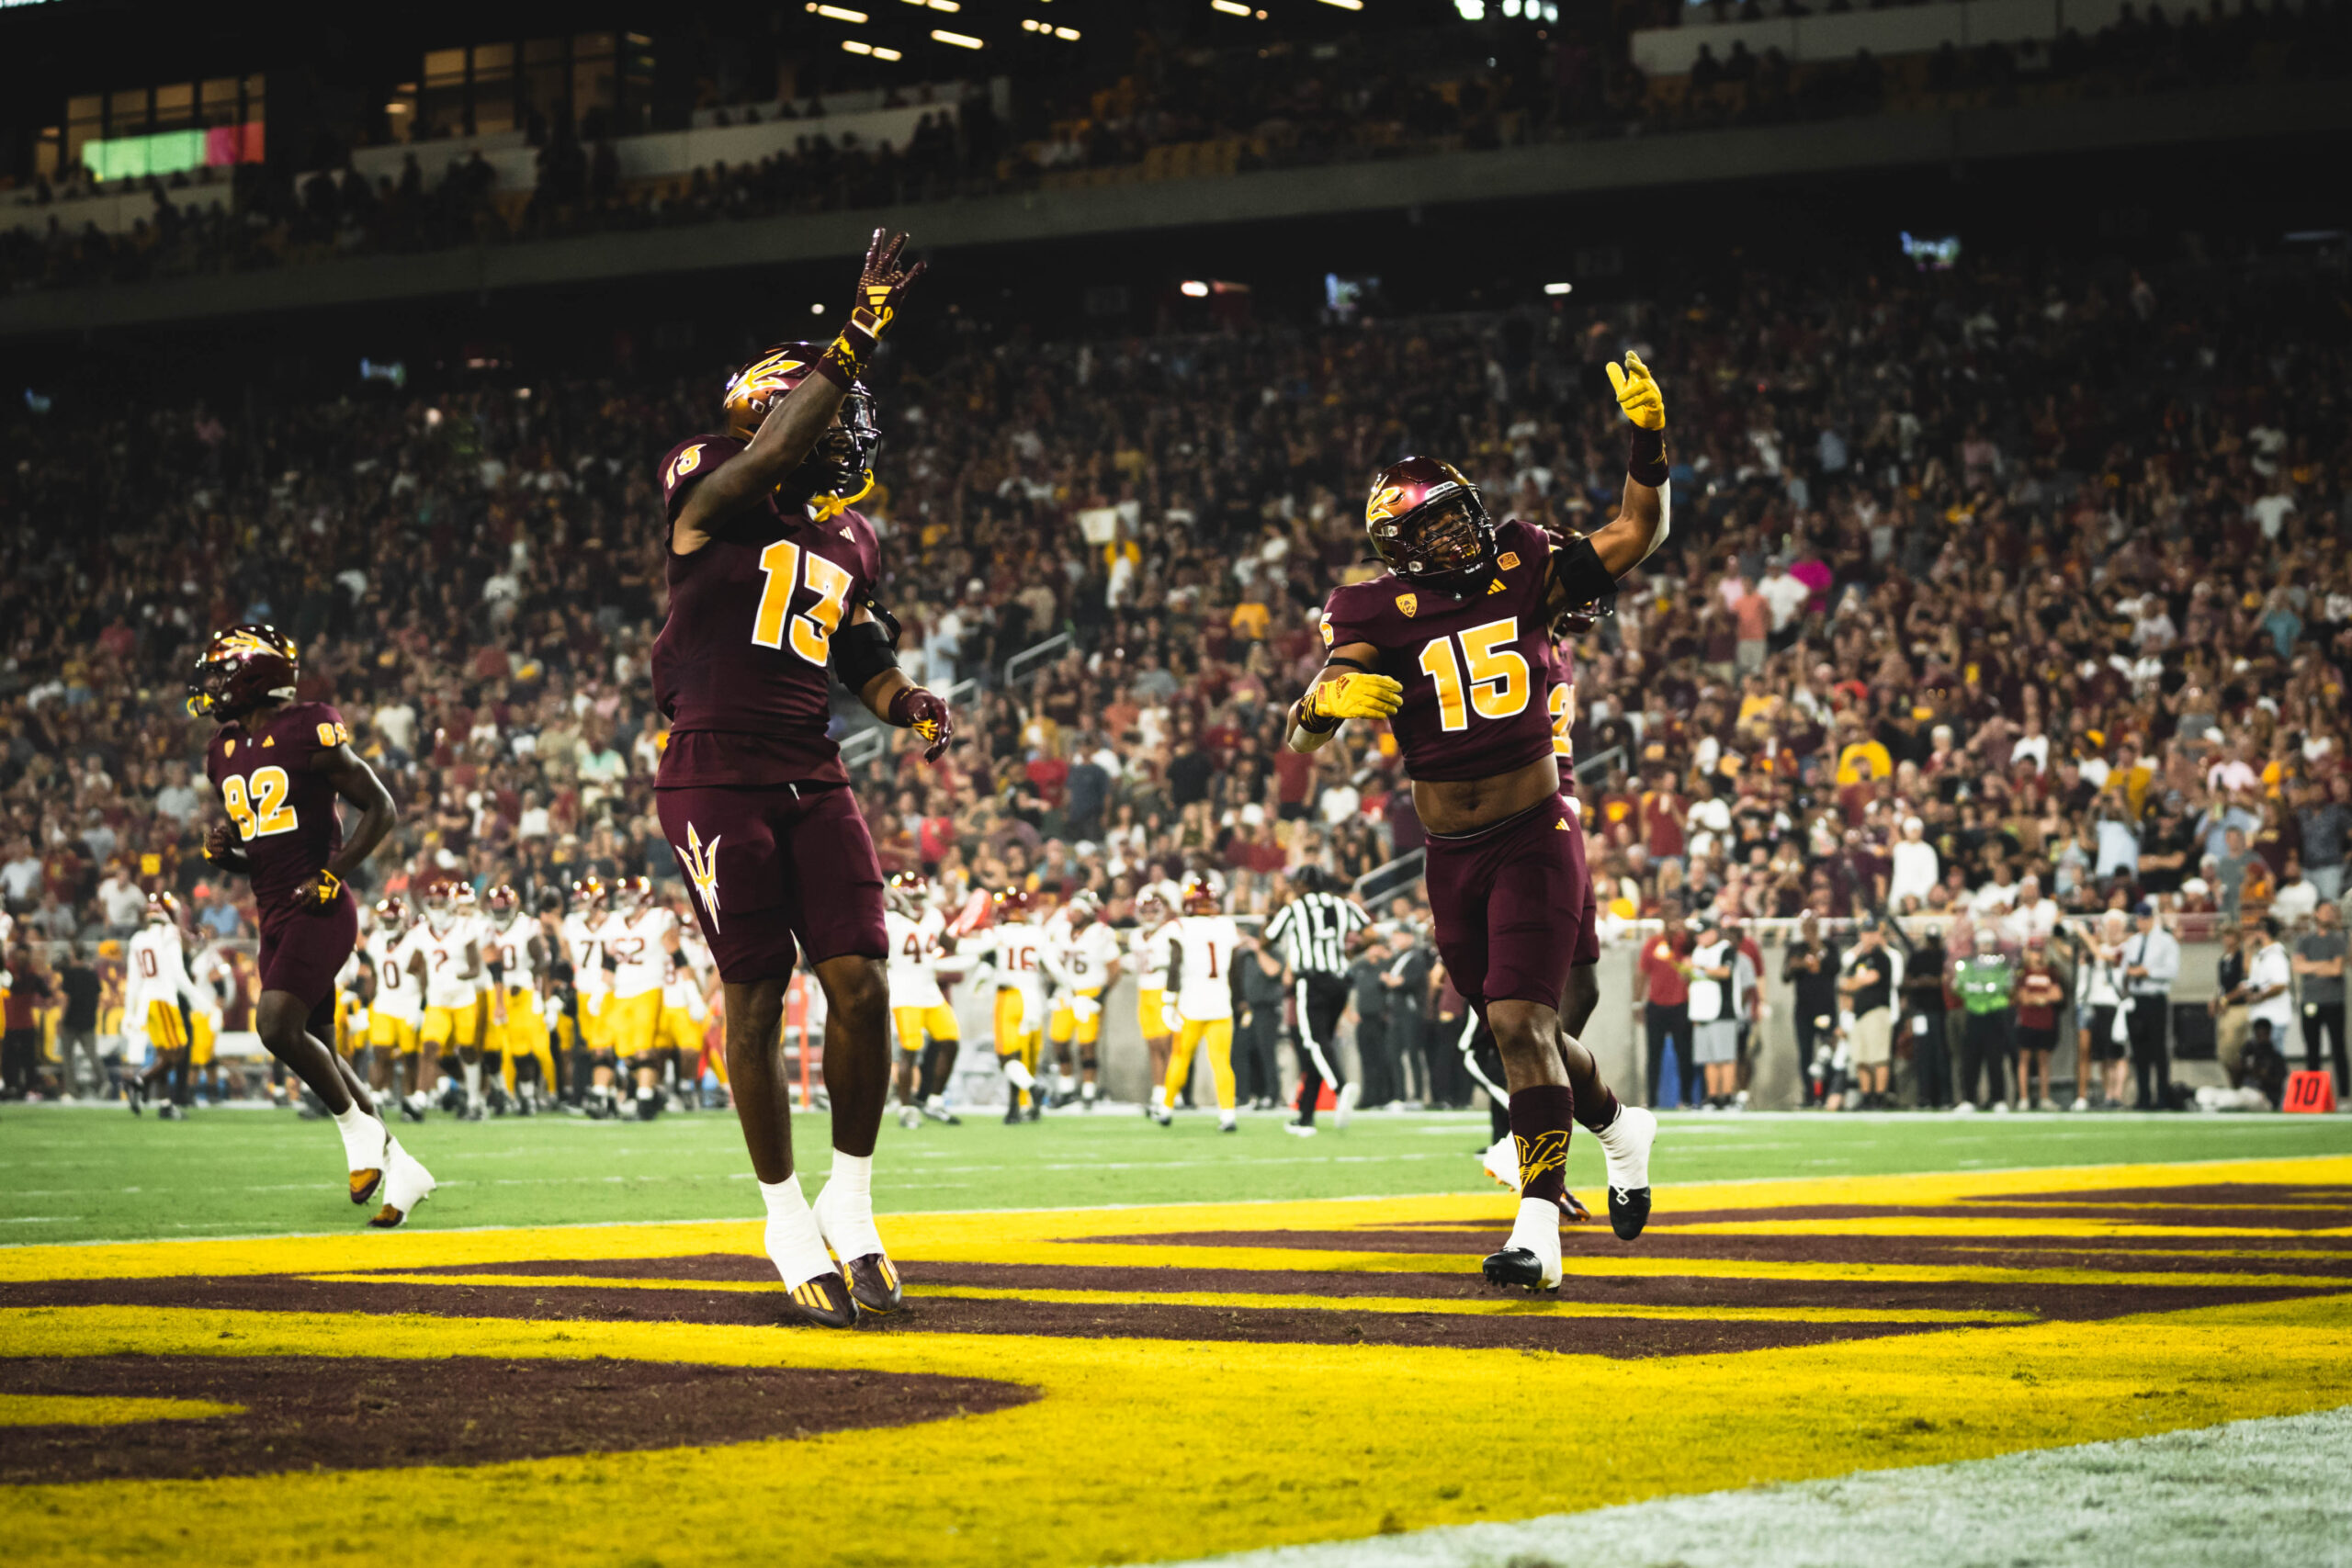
(1542, 1117)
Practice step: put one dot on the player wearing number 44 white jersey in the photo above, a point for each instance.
(928, 1037)
(1204, 939)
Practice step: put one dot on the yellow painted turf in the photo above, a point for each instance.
(1149, 1448)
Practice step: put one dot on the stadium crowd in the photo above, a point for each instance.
(1375, 96)
(1999, 593)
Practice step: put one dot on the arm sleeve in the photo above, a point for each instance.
(1576, 567)
(1279, 927)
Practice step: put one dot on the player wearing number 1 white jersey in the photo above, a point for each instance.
(1205, 939)
(158, 999)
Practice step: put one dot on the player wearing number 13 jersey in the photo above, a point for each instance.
(772, 597)
(1452, 646)
(278, 767)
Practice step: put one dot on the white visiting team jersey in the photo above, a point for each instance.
(1205, 945)
(444, 963)
(1081, 961)
(689, 970)
(914, 948)
(510, 950)
(584, 941)
(154, 970)
(1150, 951)
(398, 994)
(213, 975)
(638, 951)
(1019, 952)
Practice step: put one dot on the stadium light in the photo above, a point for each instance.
(816, 310)
(851, 46)
(1346, 5)
(881, 53)
(836, 13)
(1069, 35)
(1231, 7)
(1193, 288)
(961, 40)
(1559, 288)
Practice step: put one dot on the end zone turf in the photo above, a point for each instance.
(1142, 1384)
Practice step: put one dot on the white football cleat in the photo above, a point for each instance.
(1625, 1149)
(1501, 1162)
(406, 1184)
(1299, 1129)
(1346, 1105)
(2081, 1103)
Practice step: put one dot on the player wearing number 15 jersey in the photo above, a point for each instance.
(772, 580)
(1452, 646)
(279, 766)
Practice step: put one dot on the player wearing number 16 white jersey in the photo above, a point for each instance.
(1016, 948)
(1204, 939)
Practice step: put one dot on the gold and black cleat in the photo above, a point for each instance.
(874, 1283)
(365, 1183)
(826, 1301)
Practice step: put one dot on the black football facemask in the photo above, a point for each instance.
(1448, 545)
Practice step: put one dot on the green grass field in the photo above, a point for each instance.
(73, 1175)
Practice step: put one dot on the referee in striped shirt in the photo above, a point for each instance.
(1312, 933)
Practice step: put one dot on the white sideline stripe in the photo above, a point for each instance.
(2247, 1495)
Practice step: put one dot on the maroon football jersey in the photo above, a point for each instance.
(1563, 679)
(263, 767)
(742, 670)
(1476, 672)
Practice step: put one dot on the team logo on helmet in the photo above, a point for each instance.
(1387, 500)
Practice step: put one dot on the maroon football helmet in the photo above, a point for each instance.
(1430, 527)
(503, 903)
(240, 669)
(842, 460)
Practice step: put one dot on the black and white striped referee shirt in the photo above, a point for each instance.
(1313, 930)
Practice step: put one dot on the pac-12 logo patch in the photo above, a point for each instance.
(1509, 561)
(1324, 626)
(1407, 603)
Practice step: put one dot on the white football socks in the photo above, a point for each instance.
(1538, 1230)
(1159, 1097)
(1016, 1072)
(366, 1143)
(795, 1245)
(473, 1083)
(844, 1209)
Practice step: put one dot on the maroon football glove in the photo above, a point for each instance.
(922, 712)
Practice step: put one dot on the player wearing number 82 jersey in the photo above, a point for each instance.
(278, 767)
(1451, 646)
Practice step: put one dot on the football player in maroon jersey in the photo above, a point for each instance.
(1452, 647)
(279, 766)
(772, 581)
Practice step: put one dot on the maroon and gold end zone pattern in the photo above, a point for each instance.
(1166, 1360)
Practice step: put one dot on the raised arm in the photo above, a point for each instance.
(791, 431)
(1586, 569)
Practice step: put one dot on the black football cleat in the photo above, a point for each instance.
(825, 1302)
(1517, 1266)
(874, 1283)
(1629, 1211)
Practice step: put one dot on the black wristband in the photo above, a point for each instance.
(1646, 456)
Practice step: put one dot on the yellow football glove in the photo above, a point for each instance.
(1637, 392)
(1351, 694)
